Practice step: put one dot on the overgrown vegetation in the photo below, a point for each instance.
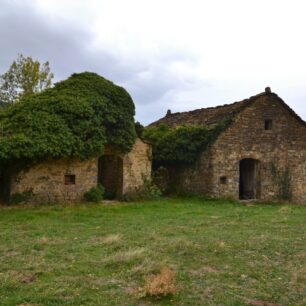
(95, 194)
(283, 182)
(147, 191)
(75, 118)
(21, 197)
(222, 253)
(184, 143)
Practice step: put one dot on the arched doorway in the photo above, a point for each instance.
(249, 179)
(110, 175)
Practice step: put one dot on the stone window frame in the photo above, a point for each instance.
(69, 179)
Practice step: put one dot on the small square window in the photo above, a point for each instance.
(268, 124)
(223, 180)
(69, 179)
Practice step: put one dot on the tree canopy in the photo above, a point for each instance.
(75, 118)
(24, 78)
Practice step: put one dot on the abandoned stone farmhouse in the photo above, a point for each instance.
(261, 155)
(66, 180)
(58, 144)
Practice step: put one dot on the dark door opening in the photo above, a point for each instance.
(110, 175)
(5, 184)
(249, 181)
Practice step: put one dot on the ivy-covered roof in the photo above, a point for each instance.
(75, 118)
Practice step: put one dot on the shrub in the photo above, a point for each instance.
(161, 284)
(283, 181)
(21, 197)
(146, 192)
(161, 178)
(95, 194)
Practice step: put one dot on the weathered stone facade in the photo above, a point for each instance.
(265, 134)
(46, 180)
(67, 180)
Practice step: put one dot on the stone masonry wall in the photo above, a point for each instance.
(284, 146)
(47, 180)
(137, 165)
(196, 178)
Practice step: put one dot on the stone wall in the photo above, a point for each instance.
(47, 180)
(137, 165)
(217, 173)
(197, 178)
(48, 183)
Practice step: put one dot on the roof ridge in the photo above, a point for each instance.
(210, 115)
(226, 104)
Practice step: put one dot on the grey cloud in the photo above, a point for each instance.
(68, 48)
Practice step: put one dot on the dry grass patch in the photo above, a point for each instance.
(126, 256)
(161, 284)
(110, 239)
(298, 281)
(50, 241)
(107, 240)
(204, 270)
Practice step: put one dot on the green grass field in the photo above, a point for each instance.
(223, 253)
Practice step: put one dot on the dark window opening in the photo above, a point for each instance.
(268, 124)
(69, 179)
(223, 180)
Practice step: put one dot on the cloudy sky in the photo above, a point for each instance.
(169, 54)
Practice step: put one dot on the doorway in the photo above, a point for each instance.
(249, 179)
(110, 175)
(5, 184)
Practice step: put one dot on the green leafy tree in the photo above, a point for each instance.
(24, 78)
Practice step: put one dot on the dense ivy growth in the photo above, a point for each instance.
(75, 118)
(182, 144)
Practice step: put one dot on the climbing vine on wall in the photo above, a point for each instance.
(283, 181)
(182, 144)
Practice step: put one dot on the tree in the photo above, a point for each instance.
(24, 78)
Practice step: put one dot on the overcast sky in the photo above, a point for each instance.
(169, 54)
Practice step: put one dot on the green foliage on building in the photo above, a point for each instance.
(182, 144)
(75, 118)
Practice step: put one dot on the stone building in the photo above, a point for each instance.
(261, 155)
(68, 179)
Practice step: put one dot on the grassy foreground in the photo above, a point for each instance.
(223, 253)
